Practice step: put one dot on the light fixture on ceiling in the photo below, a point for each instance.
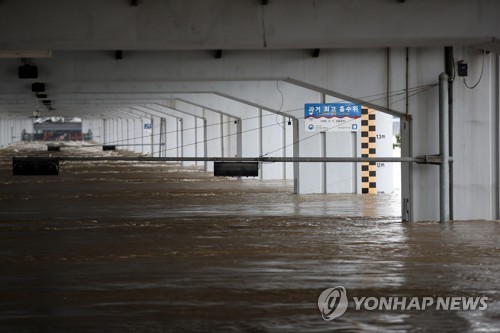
(27, 71)
(38, 87)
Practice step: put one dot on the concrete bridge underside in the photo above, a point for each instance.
(225, 78)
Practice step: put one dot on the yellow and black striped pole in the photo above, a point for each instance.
(368, 149)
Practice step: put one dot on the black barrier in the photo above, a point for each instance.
(53, 148)
(236, 169)
(35, 166)
(109, 147)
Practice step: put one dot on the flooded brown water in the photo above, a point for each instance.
(154, 247)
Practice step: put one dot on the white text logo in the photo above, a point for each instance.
(333, 303)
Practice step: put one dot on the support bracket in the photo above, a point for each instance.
(430, 159)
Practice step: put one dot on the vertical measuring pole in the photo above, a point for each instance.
(444, 168)
(368, 149)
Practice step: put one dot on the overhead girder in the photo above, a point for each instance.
(123, 114)
(234, 103)
(345, 74)
(229, 24)
(202, 107)
(163, 113)
(262, 94)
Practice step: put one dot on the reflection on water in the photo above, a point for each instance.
(157, 248)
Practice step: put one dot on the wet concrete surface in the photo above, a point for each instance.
(155, 247)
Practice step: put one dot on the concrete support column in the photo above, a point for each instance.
(200, 139)
(283, 140)
(1, 132)
(354, 166)
(105, 131)
(13, 131)
(195, 133)
(114, 132)
(180, 138)
(171, 137)
(324, 178)
(4, 133)
(152, 136)
(221, 135)
(261, 145)
(143, 140)
(296, 153)
(111, 130)
(136, 135)
(239, 138)
(496, 130)
(127, 133)
(323, 175)
(205, 144)
(163, 137)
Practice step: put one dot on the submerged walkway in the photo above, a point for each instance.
(156, 247)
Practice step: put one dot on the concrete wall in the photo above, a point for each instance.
(11, 130)
(475, 138)
(239, 85)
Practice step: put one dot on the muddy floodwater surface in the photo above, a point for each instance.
(158, 247)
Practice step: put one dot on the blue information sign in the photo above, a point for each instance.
(322, 117)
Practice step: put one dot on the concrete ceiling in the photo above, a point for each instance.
(243, 24)
(169, 47)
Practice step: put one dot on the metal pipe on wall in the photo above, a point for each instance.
(444, 167)
(324, 176)
(496, 103)
(450, 70)
(261, 144)
(296, 153)
(407, 150)
(248, 159)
